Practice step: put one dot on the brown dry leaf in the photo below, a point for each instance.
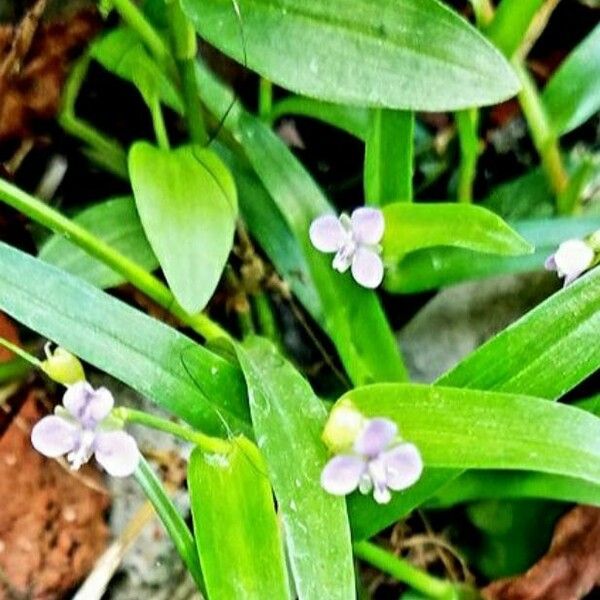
(33, 70)
(569, 570)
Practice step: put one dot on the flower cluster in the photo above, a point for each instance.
(571, 259)
(355, 242)
(82, 428)
(377, 461)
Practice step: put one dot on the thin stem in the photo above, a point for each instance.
(158, 122)
(207, 443)
(98, 248)
(544, 139)
(484, 12)
(104, 149)
(266, 318)
(135, 18)
(265, 98)
(183, 42)
(467, 122)
(20, 352)
(403, 571)
(536, 28)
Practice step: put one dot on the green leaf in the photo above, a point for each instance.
(433, 268)
(352, 316)
(187, 202)
(472, 429)
(171, 519)
(154, 359)
(572, 95)
(117, 223)
(351, 119)
(288, 420)
(121, 52)
(546, 353)
(410, 227)
(235, 524)
(510, 24)
(388, 170)
(405, 54)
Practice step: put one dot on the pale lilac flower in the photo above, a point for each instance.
(379, 462)
(80, 428)
(355, 241)
(572, 258)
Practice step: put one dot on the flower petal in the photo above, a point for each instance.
(327, 233)
(572, 258)
(403, 466)
(87, 405)
(550, 263)
(375, 437)
(117, 452)
(367, 268)
(54, 436)
(381, 494)
(342, 260)
(367, 225)
(342, 474)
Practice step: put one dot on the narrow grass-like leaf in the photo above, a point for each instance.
(352, 316)
(187, 202)
(235, 525)
(433, 268)
(172, 370)
(117, 223)
(410, 227)
(288, 419)
(572, 95)
(381, 53)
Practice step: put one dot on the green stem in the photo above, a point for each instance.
(158, 122)
(104, 149)
(135, 18)
(467, 122)
(139, 277)
(265, 98)
(389, 147)
(171, 519)
(266, 318)
(484, 12)
(207, 443)
(544, 139)
(403, 571)
(20, 352)
(183, 42)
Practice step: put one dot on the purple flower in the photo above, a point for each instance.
(80, 428)
(572, 258)
(355, 241)
(378, 463)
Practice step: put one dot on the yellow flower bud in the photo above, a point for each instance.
(344, 424)
(62, 366)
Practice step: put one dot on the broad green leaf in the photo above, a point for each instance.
(121, 52)
(389, 148)
(351, 119)
(572, 95)
(288, 419)
(547, 352)
(169, 368)
(116, 222)
(410, 227)
(433, 268)
(171, 519)
(405, 54)
(472, 429)
(352, 316)
(187, 202)
(510, 24)
(235, 524)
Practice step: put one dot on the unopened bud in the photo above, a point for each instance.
(344, 424)
(62, 366)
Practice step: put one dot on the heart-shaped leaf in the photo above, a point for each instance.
(187, 202)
